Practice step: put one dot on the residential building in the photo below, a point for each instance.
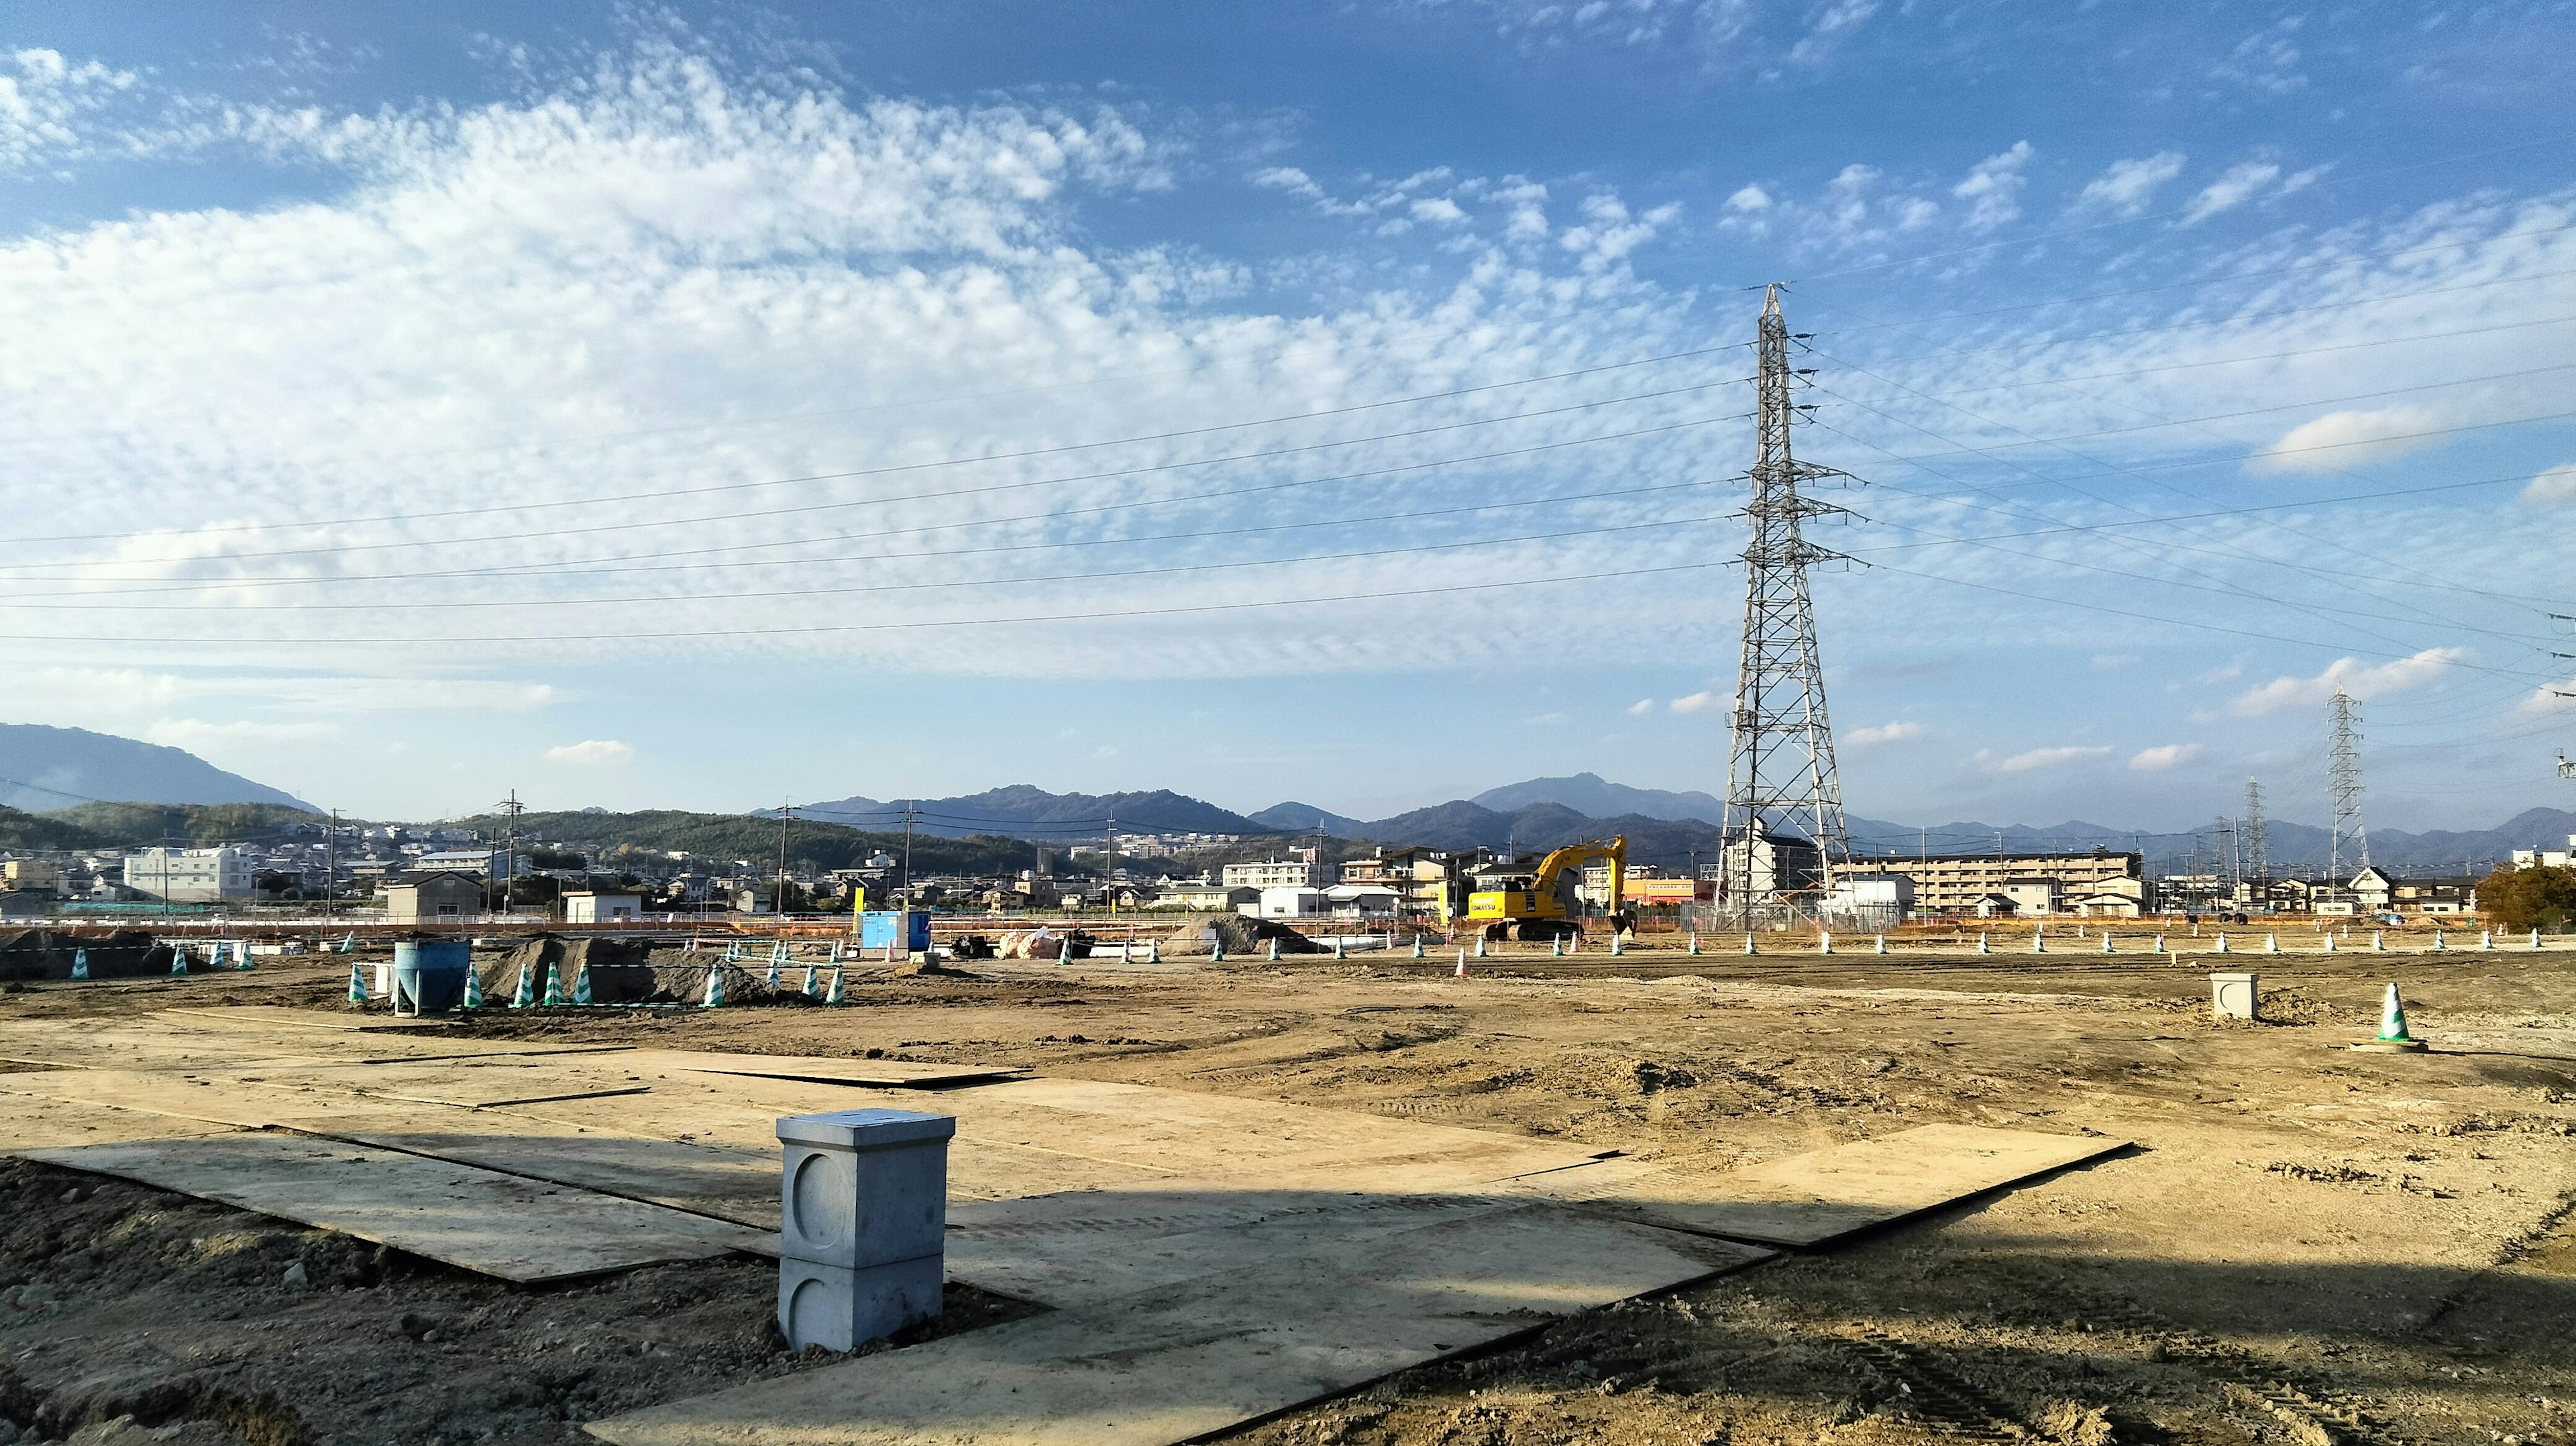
(2373, 890)
(593, 906)
(1206, 895)
(1779, 864)
(1305, 871)
(190, 876)
(31, 874)
(1879, 900)
(2546, 858)
(1362, 901)
(491, 863)
(428, 898)
(1287, 901)
(1960, 883)
(2454, 895)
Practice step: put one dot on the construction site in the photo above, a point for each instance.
(1794, 1165)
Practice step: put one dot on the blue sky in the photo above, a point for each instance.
(697, 408)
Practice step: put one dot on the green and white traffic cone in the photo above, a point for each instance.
(241, 956)
(1748, 943)
(2222, 941)
(778, 952)
(1153, 951)
(349, 945)
(771, 979)
(1618, 944)
(1417, 946)
(833, 995)
(1694, 943)
(178, 960)
(473, 990)
(733, 950)
(2271, 943)
(2535, 938)
(813, 984)
(2106, 941)
(2393, 1036)
(1216, 951)
(581, 986)
(2039, 940)
(1824, 942)
(1984, 947)
(1480, 944)
(357, 985)
(1274, 946)
(2438, 945)
(2378, 945)
(80, 963)
(2160, 945)
(1556, 945)
(554, 988)
(715, 987)
(525, 996)
(1337, 948)
(1878, 944)
(2486, 938)
(2330, 943)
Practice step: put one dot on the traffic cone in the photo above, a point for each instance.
(2377, 944)
(833, 994)
(836, 952)
(1480, 946)
(778, 951)
(2106, 941)
(2438, 945)
(2271, 943)
(525, 996)
(1824, 942)
(2535, 938)
(1556, 945)
(357, 986)
(1274, 946)
(1417, 946)
(2393, 1036)
(1216, 952)
(771, 979)
(1881, 946)
(80, 963)
(715, 987)
(1618, 946)
(178, 959)
(349, 945)
(1748, 945)
(473, 990)
(241, 956)
(1982, 946)
(1337, 948)
(733, 950)
(2160, 945)
(1462, 961)
(813, 984)
(1154, 950)
(581, 986)
(2039, 940)
(554, 988)
(2330, 943)
(2486, 938)
(1694, 943)
(2222, 941)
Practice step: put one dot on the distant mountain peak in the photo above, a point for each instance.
(44, 768)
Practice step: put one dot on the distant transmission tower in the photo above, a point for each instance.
(2258, 852)
(2343, 784)
(1780, 760)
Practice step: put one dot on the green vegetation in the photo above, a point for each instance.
(106, 825)
(39, 831)
(615, 841)
(2532, 898)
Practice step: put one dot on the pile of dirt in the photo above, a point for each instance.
(31, 954)
(1243, 935)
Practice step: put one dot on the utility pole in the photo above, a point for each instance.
(786, 815)
(909, 814)
(2343, 785)
(1780, 753)
(2230, 865)
(2258, 852)
(330, 864)
(510, 808)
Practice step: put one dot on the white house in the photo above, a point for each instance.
(189, 875)
(1286, 902)
(590, 906)
(1362, 901)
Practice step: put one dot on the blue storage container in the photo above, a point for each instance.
(906, 929)
(429, 975)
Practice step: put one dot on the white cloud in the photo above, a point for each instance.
(1698, 703)
(2128, 187)
(2240, 184)
(44, 101)
(2164, 756)
(1872, 737)
(1832, 21)
(1610, 232)
(1641, 707)
(195, 734)
(592, 751)
(1993, 189)
(1439, 210)
(2553, 488)
(2045, 758)
(2361, 680)
(2339, 440)
(1750, 198)
(1544, 720)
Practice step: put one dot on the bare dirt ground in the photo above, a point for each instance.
(2306, 1245)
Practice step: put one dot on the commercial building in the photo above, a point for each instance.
(190, 876)
(491, 863)
(1969, 884)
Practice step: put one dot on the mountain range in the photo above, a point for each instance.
(44, 768)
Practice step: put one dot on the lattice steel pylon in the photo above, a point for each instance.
(2258, 850)
(1780, 775)
(2343, 785)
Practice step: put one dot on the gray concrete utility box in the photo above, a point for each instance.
(2235, 996)
(864, 1200)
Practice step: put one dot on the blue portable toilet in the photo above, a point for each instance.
(907, 930)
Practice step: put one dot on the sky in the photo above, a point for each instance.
(1345, 402)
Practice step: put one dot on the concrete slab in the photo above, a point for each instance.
(1197, 1355)
(826, 1069)
(1813, 1199)
(501, 1225)
(30, 1122)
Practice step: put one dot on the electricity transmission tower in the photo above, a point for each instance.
(2343, 784)
(2258, 852)
(1780, 758)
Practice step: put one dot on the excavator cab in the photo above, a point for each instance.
(1546, 902)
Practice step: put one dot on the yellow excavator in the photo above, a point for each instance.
(1542, 904)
